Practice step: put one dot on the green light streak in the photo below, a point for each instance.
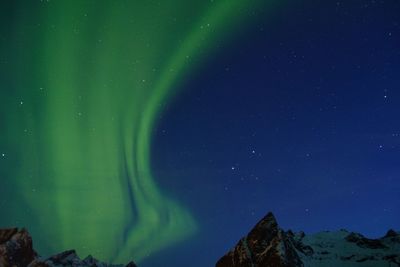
(106, 70)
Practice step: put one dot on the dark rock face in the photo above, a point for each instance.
(267, 245)
(70, 258)
(364, 242)
(16, 250)
(300, 246)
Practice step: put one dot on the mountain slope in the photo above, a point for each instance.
(267, 245)
(16, 250)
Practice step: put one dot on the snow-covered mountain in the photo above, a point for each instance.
(267, 245)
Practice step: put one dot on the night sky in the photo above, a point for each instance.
(163, 131)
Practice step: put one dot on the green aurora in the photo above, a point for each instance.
(83, 84)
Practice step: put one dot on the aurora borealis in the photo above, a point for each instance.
(162, 131)
(82, 88)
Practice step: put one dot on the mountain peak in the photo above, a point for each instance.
(270, 217)
(267, 245)
(267, 228)
(16, 249)
(268, 222)
(391, 233)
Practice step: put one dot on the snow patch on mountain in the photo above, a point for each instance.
(267, 245)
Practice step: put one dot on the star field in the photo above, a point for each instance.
(300, 117)
(181, 124)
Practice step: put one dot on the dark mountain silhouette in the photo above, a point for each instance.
(16, 250)
(267, 245)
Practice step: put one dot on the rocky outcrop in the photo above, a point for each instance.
(70, 258)
(16, 250)
(267, 245)
(364, 242)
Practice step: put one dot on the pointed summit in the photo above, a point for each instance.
(267, 228)
(266, 245)
(391, 233)
(268, 222)
(269, 217)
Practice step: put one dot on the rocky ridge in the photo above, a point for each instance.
(16, 250)
(267, 245)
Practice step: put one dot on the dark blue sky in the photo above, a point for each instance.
(298, 115)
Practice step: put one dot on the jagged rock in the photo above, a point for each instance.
(364, 242)
(70, 258)
(16, 250)
(391, 233)
(37, 263)
(268, 245)
(296, 239)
